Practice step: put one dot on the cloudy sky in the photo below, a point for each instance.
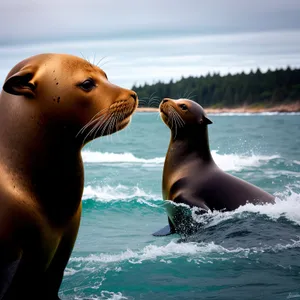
(147, 41)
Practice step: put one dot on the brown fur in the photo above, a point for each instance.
(190, 174)
(43, 108)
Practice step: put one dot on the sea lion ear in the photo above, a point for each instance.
(206, 121)
(21, 83)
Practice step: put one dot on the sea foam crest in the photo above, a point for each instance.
(109, 193)
(175, 250)
(227, 162)
(105, 295)
(106, 157)
(287, 206)
(234, 162)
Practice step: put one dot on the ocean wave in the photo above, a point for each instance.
(106, 157)
(109, 193)
(70, 271)
(227, 162)
(235, 162)
(173, 250)
(104, 295)
(286, 206)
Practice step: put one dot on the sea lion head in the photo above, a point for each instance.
(70, 94)
(183, 113)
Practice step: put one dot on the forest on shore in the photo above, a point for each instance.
(256, 89)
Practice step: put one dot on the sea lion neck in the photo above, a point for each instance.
(191, 140)
(40, 159)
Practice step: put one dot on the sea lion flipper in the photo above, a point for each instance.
(164, 231)
(167, 230)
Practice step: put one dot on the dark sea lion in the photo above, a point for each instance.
(190, 175)
(50, 107)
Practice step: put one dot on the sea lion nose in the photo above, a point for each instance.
(164, 100)
(134, 96)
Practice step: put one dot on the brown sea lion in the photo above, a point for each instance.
(50, 107)
(190, 175)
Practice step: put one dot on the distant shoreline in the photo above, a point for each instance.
(285, 108)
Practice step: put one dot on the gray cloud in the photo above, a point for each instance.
(38, 20)
(161, 58)
(147, 41)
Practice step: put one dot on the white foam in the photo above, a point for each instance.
(227, 162)
(112, 296)
(287, 206)
(70, 271)
(106, 157)
(235, 162)
(151, 252)
(104, 295)
(172, 250)
(109, 193)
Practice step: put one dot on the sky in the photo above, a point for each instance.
(158, 40)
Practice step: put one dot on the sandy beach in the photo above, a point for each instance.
(294, 107)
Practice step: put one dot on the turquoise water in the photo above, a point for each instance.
(251, 253)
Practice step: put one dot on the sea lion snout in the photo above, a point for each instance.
(133, 99)
(165, 100)
(164, 104)
(134, 96)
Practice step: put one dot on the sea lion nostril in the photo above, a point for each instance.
(164, 100)
(134, 96)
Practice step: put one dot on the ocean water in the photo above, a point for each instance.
(250, 253)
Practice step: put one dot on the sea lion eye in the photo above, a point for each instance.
(87, 85)
(183, 107)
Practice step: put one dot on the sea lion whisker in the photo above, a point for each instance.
(143, 101)
(82, 55)
(97, 64)
(187, 94)
(97, 126)
(105, 125)
(154, 98)
(118, 119)
(152, 95)
(154, 101)
(183, 95)
(175, 125)
(172, 110)
(105, 63)
(89, 124)
(171, 118)
(99, 121)
(180, 121)
(104, 122)
(91, 121)
(111, 125)
(103, 119)
(158, 115)
(179, 118)
(100, 124)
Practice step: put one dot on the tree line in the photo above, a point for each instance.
(270, 88)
